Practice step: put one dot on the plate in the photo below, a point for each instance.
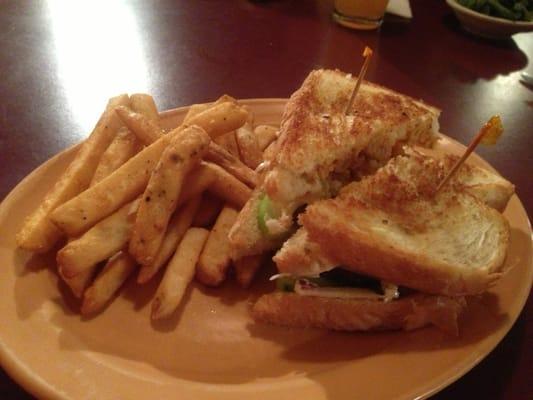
(211, 349)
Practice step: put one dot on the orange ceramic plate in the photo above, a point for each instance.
(211, 349)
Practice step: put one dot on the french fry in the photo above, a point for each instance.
(227, 187)
(220, 119)
(109, 280)
(265, 135)
(229, 143)
(212, 120)
(195, 109)
(79, 283)
(125, 184)
(233, 165)
(208, 211)
(251, 153)
(98, 243)
(146, 129)
(198, 108)
(122, 148)
(215, 258)
(179, 273)
(145, 104)
(224, 99)
(246, 268)
(148, 132)
(177, 226)
(38, 233)
(197, 182)
(161, 195)
(270, 152)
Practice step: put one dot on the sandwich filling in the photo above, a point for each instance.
(338, 283)
(307, 271)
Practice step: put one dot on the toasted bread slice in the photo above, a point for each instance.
(489, 187)
(319, 148)
(317, 140)
(300, 256)
(393, 227)
(408, 313)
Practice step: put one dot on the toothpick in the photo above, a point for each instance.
(493, 127)
(367, 53)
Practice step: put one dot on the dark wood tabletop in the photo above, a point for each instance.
(60, 62)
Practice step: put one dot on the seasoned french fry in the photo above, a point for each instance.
(127, 182)
(217, 120)
(109, 280)
(98, 243)
(233, 165)
(161, 195)
(246, 268)
(220, 119)
(179, 273)
(265, 135)
(224, 99)
(215, 258)
(227, 187)
(122, 148)
(38, 233)
(270, 152)
(197, 182)
(177, 226)
(78, 283)
(248, 144)
(145, 104)
(208, 211)
(146, 129)
(196, 109)
(229, 143)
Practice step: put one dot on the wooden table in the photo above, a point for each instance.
(60, 62)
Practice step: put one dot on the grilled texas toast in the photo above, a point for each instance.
(393, 227)
(300, 256)
(317, 140)
(408, 313)
(320, 149)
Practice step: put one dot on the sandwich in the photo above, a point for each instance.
(321, 147)
(388, 252)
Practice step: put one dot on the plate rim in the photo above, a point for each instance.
(36, 386)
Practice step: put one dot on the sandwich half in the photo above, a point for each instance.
(300, 256)
(320, 148)
(387, 253)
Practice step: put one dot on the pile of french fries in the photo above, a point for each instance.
(137, 199)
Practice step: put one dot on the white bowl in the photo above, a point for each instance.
(487, 26)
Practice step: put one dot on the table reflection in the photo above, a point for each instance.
(99, 53)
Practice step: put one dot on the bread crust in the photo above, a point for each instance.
(408, 313)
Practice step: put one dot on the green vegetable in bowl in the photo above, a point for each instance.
(514, 10)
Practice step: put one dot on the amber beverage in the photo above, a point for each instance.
(360, 14)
